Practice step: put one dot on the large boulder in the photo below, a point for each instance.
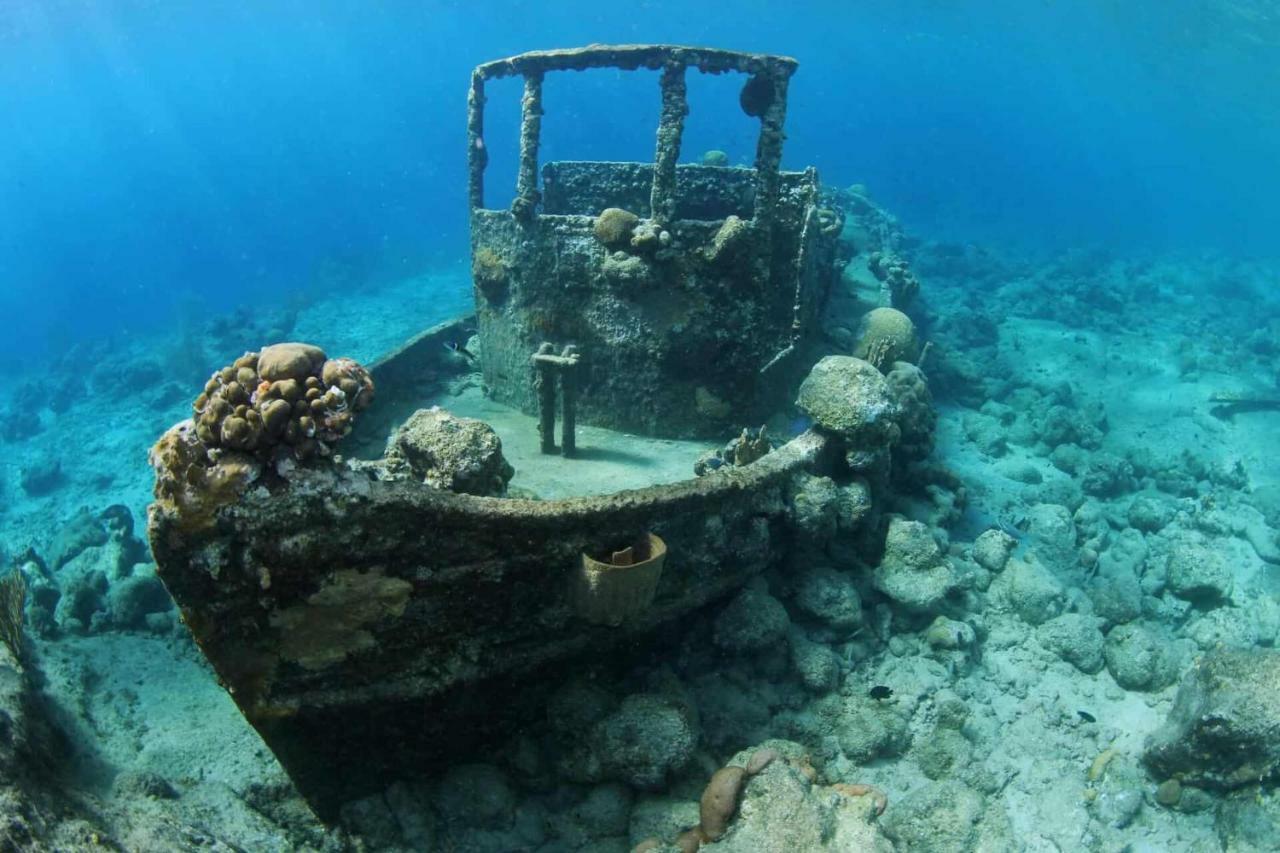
(448, 452)
(850, 397)
(1224, 728)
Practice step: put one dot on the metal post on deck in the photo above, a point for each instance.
(544, 383)
(569, 398)
(549, 367)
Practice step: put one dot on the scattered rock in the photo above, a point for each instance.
(914, 572)
(830, 597)
(992, 549)
(1138, 658)
(1076, 639)
(1029, 590)
(938, 818)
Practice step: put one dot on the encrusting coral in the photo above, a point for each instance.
(285, 404)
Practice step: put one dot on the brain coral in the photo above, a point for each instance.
(886, 335)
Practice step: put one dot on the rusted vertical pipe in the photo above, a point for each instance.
(477, 154)
(769, 151)
(526, 200)
(544, 383)
(675, 106)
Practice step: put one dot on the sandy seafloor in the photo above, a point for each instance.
(1128, 350)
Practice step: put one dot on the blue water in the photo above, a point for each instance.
(154, 153)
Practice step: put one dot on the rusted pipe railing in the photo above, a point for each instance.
(477, 154)
(769, 73)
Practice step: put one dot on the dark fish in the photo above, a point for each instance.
(881, 692)
(1087, 717)
(459, 349)
(714, 463)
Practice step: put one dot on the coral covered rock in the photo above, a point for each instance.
(1029, 590)
(914, 572)
(942, 817)
(917, 417)
(782, 809)
(449, 452)
(1224, 728)
(1075, 638)
(992, 549)
(753, 621)
(1138, 657)
(647, 738)
(1198, 573)
(849, 397)
(816, 664)
(830, 597)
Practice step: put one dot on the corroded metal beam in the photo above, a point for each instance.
(526, 200)
(675, 106)
(629, 57)
(477, 154)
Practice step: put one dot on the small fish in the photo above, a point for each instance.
(714, 463)
(458, 349)
(881, 692)
(1087, 717)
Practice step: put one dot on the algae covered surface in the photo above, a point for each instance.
(931, 499)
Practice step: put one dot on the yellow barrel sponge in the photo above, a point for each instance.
(886, 335)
